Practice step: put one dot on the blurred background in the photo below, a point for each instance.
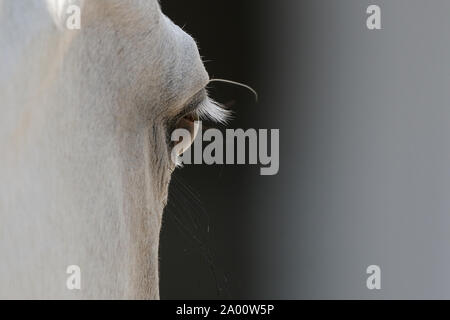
(208, 241)
(364, 154)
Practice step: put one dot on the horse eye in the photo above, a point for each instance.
(190, 124)
(186, 126)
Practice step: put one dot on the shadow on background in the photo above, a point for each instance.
(364, 155)
(206, 246)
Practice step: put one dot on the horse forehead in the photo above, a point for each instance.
(177, 68)
(129, 11)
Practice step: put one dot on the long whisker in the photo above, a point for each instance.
(237, 84)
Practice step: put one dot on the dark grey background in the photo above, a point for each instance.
(364, 161)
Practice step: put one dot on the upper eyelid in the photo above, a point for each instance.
(194, 103)
(190, 106)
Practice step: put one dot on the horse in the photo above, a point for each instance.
(85, 164)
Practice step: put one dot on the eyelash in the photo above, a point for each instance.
(213, 111)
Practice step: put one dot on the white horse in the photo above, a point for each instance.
(85, 122)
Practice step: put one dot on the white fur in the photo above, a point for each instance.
(84, 164)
